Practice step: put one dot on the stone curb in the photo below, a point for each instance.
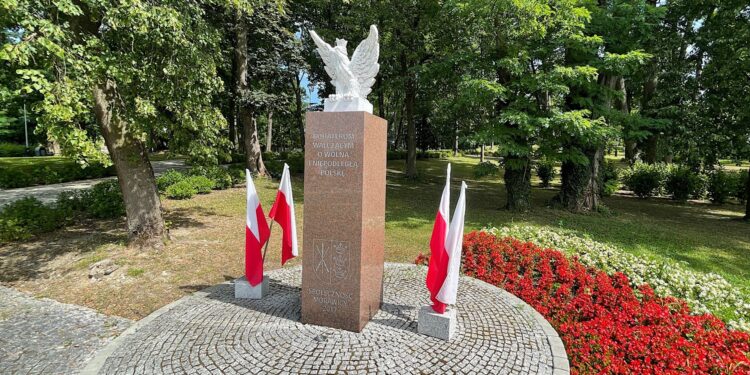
(95, 364)
(561, 366)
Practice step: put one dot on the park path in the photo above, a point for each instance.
(49, 193)
(42, 336)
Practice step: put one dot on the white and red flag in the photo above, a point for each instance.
(454, 244)
(283, 213)
(438, 266)
(256, 234)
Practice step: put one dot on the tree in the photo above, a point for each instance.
(120, 71)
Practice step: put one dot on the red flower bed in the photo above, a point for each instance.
(607, 327)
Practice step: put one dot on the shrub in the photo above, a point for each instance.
(29, 216)
(545, 169)
(104, 200)
(486, 168)
(682, 183)
(721, 185)
(181, 190)
(201, 184)
(218, 175)
(237, 173)
(296, 161)
(168, 178)
(11, 149)
(606, 325)
(645, 180)
(18, 176)
(274, 168)
(610, 176)
(705, 292)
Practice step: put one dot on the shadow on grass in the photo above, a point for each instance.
(28, 260)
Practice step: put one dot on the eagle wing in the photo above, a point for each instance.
(364, 64)
(328, 55)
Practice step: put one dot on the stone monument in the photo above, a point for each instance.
(344, 218)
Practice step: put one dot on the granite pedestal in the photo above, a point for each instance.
(243, 289)
(344, 219)
(441, 326)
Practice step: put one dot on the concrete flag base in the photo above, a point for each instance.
(243, 289)
(441, 326)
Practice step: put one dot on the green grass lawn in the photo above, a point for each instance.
(31, 161)
(208, 237)
(707, 237)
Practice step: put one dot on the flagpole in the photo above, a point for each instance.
(270, 230)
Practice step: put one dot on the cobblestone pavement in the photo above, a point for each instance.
(49, 193)
(42, 336)
(210, 332)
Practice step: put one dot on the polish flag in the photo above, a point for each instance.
(454, 244)
(256, 234)
(283, 213)
(438, 266)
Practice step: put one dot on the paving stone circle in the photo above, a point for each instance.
(210, 332)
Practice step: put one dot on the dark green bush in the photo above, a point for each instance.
(237, 173)
(274, 168)
(168, 178)
(181, 190)
(220, 176)
(12, 149)
(202, 184)
(486, 168)
(721, 185)
(545, 170)
(102, 201)
(645, 180)
(682, 183)
(23, 175)
(610, 176)
(296, 161)
(27, 217)
(428, 154)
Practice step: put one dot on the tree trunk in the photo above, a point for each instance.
(253, 154)
(455, 139)
(630, 151)
(298, 110)
(134, 173)
(581, 185)
(747, 197)
(651, 149)
(411, 131)
(481, 153)
(232, 120)
(269, 131)
(518, 183)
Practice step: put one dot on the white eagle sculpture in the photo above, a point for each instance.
(353, 78)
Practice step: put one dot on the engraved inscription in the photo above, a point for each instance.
(332, 260)
(333, 154)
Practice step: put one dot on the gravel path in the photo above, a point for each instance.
(42, 336)
(49, 193)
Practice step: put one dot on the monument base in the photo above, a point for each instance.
(243, 289)
(346, 104)
(441, 326)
